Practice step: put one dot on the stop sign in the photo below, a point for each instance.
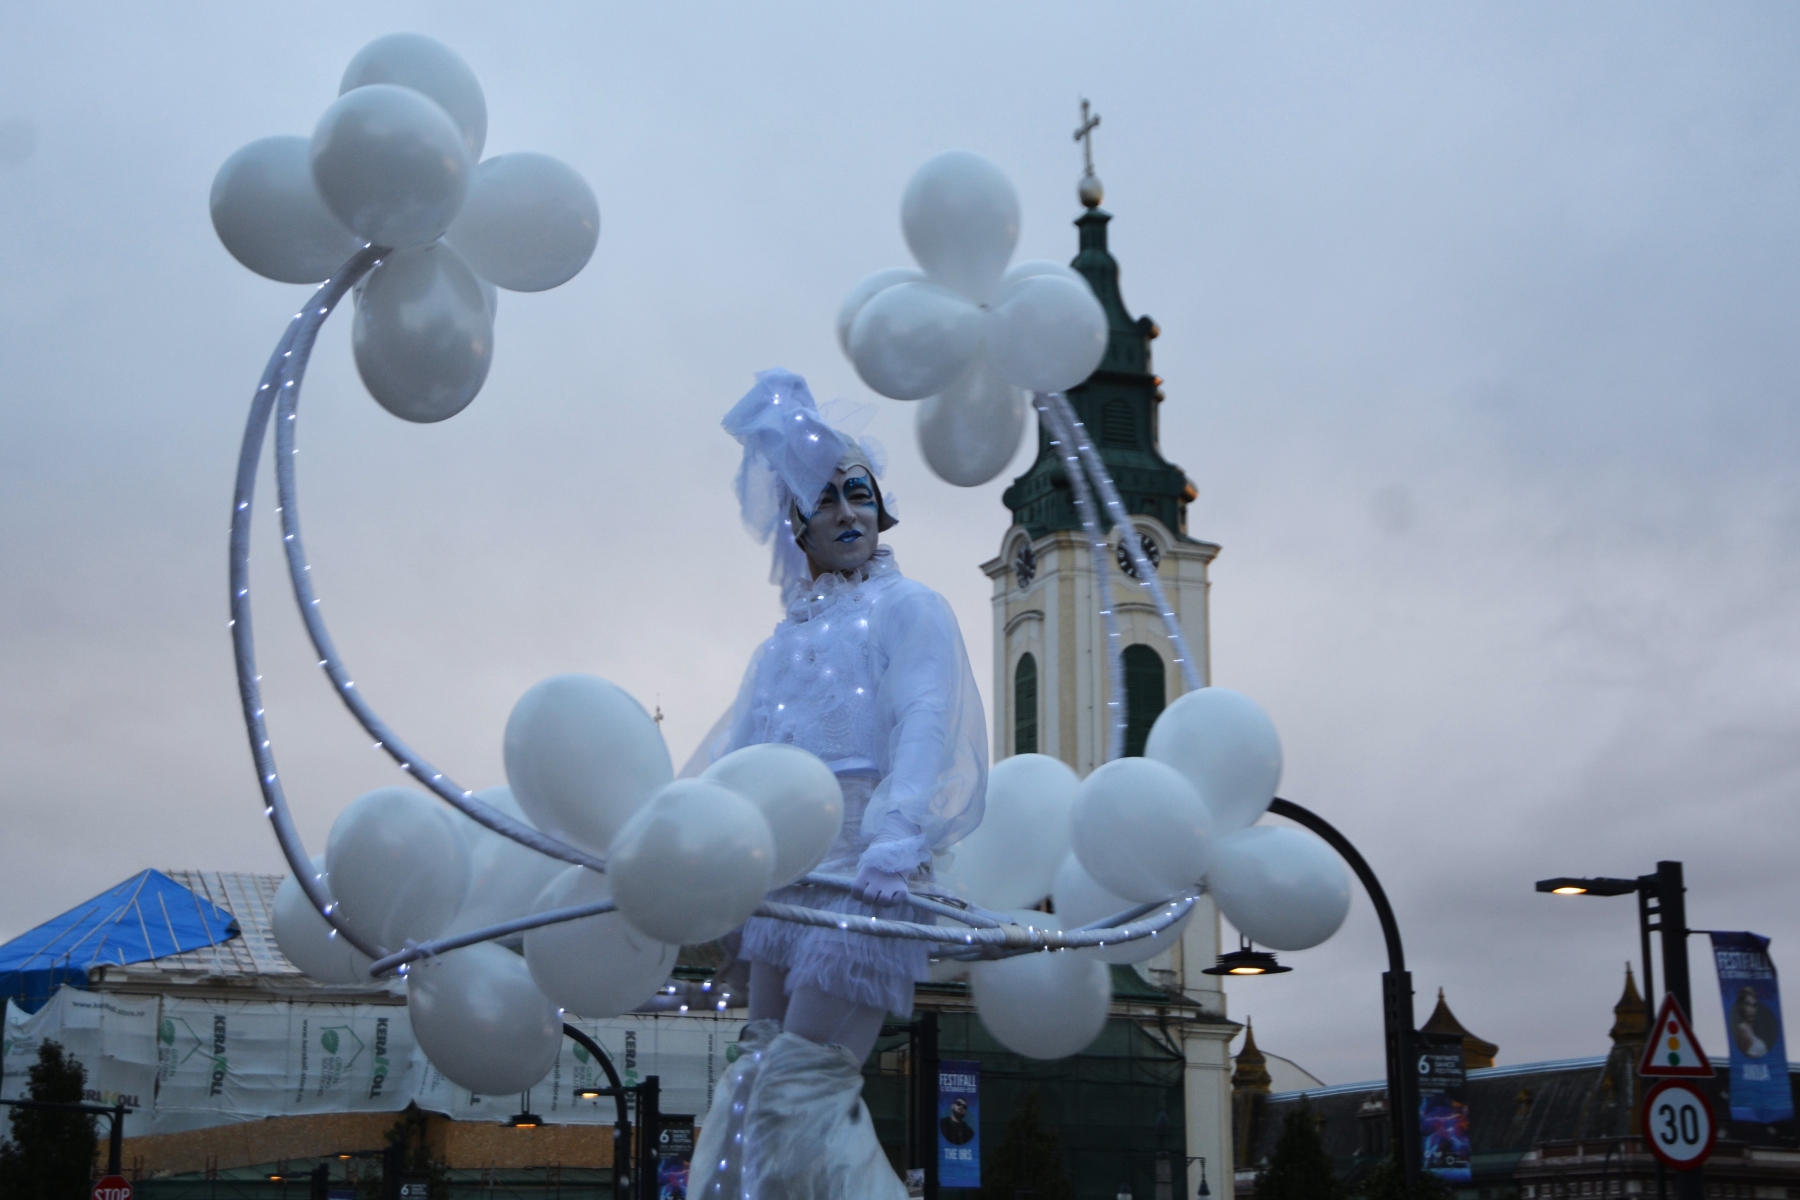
(113, 1187)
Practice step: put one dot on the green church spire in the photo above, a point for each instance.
(1118, 402)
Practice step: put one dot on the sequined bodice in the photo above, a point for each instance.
(816, 681)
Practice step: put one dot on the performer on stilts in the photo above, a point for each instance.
(867, 671)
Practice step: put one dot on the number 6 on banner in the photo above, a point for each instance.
(1678, 1124)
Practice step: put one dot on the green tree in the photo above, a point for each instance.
(51, 1154)
(409, 1139)
(1028, 1160)
(1299, 1169)
(1386, 1182)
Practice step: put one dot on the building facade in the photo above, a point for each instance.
(1538, 1131)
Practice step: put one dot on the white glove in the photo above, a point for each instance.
(878, 887)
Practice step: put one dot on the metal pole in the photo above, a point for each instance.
(1671, 922)
(115, 1151)
(1396, 993)
(618, 1091)
(928, 1099)
(649, 1126)
(1646, 889)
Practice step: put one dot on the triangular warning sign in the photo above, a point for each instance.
(1673, 1049)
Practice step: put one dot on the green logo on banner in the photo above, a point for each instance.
(581, 1054)
(732, 1051)
(329, 1040)
(166, 1033)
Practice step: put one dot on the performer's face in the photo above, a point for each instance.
(840, 532)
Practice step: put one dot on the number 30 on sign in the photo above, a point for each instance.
(1678, 1124)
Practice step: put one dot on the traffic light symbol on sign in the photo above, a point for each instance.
(1673, 1050)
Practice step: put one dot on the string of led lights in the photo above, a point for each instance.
(277, 397)
(1064, 438)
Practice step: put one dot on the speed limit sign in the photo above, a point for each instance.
(1678, 1124)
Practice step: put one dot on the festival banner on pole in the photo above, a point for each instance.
(959, 1124)
(1443, 1106)
(1751, 997)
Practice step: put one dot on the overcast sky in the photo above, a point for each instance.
(1478, 340)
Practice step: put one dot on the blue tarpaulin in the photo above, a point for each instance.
(148, 916)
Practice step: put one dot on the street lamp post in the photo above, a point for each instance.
(1662, 909)
(1396, 993)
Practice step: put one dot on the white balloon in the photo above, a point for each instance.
(530, 222)
(399, 867)
(597, 966)
(1141, 830)
(1048, 333)
(1227, 747)
(1281, 887)
(969, 431)
(1080, 901)
(424, 335)
(693, 864)
(582, 756)
(1040, 266)
(390, 164)
(505, 878)
(268, 213)
(961, 220)
(1045, 1005)
(1011, 858)
(866, 291)
(307, 939)
(798, 795)
(482, 1021)
(911, 340)
(423, 64)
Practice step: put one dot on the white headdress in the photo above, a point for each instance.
(790, 454)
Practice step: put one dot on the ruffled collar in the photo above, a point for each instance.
(807, 598)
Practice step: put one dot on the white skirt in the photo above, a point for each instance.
(852, 966)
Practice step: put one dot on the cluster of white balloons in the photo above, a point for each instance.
(965, 334)
(396, 163)
(687, 861)
(1138, 830)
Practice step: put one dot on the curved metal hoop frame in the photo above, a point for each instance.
(978, 933)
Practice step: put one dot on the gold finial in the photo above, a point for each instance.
(1089, 188)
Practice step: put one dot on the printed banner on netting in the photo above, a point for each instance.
(190, 1063)
(1750, 994)
(114, 1037)
(687, 1054)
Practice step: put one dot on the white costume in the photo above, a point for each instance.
(867, 670)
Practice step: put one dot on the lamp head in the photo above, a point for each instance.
(1246, 961)
(1564, 885)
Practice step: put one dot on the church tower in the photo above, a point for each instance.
(1050, 668)
(1050, 665)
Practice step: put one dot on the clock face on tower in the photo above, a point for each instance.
(1151, 554)
(1025, 565)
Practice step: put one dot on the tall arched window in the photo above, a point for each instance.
(1144, 692)
(1025, 706)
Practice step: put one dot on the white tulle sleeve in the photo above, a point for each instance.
(934, 772)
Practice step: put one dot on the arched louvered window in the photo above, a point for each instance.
(1025, 706)
(1118, 425)
(1144, 692)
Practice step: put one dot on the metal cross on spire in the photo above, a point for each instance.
(1089, 188)
(1085, 135)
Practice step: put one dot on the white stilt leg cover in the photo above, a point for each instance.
(789, 1123)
